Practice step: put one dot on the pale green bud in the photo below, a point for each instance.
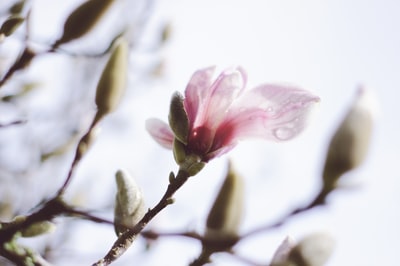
(192, 164)
(83, 19)
(39, 228)
(87, 141)
(349, 145)
(226, 213)
(313, 250)
(129, 203)
(36, 229)
(195, 168)
(112, 83)
(179, 151)
(178, 119)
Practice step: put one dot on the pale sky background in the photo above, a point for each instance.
(328, 47)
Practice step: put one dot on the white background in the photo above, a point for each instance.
(328, 47)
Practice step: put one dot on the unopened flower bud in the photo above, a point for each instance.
(83, 19)
(226, 213)
(87, 141)
(178, 119)
(17, 7)
(195, 168)
(179, 151)
(313, 250)
(129, 203)
(349, 145)
(111, 86)
(192, 164)
(10, 25)
(281, 255)
(38, 228)
(35, 229)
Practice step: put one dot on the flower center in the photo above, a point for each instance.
(200, 140)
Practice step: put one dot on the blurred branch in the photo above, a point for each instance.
(319, 200)
(22, 62)
(17, 122)
(225, 244)
(51, 209)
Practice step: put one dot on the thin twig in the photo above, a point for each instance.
(319, 200)
(81, 149)
(17, 122)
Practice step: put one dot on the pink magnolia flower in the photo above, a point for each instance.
(221, 112)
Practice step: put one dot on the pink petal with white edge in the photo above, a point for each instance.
(196, 90)
(271, 112)
(161, 132)
(222, 93)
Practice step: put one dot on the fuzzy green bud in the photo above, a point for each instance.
(129, 203)
(83, 19)
(179, 150)
(38, 228)
(226, 213)
(178, 119)
(349, 145)
(112, 83)
(192, 164)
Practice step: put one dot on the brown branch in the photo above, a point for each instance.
(126, 239)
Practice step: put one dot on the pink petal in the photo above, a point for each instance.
(196, 90)
(220, 96)
(271, 112)
(161, 132)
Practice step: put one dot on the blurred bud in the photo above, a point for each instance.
(178, 120)
(35, 229)
(39, 228)
(83, 19)
(87, 141)
(281, 255)
(313, 250)
(129, 203)
(166, 32)
(349, 145)
(111, 86)
(17, 7)
(10, 25)
(226, 213)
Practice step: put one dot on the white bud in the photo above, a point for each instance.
(129, 204)
(313, 250)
